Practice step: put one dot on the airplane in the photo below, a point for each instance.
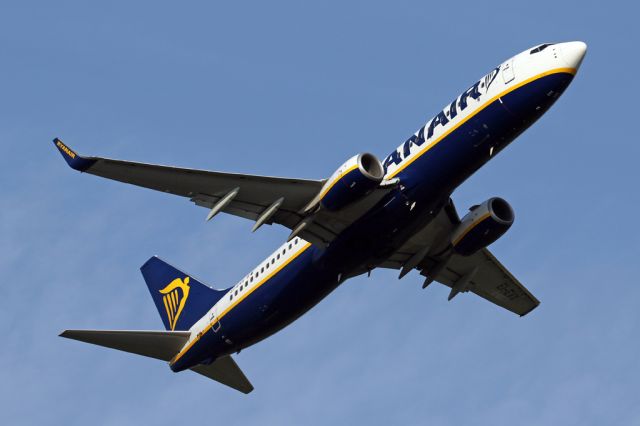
(396, 213)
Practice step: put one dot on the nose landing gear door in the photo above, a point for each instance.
(507, 72)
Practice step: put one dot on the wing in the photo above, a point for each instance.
(253, 194)
(263, 199)
(481, 273)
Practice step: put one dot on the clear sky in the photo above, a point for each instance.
(293, 89)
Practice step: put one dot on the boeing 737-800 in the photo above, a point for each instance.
(395, 213)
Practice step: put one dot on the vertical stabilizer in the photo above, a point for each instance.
(181, 299)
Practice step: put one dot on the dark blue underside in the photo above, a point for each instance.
(351, 186)
(428, 181)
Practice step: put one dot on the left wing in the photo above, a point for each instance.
(429, 251)
(482, 274)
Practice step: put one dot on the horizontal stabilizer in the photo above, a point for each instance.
(226, 371)
(162, 345)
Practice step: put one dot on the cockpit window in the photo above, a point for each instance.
(540, 48)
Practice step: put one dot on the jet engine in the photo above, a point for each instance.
(353, 180)
(483, 225)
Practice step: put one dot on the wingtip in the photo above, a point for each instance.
(75, 161)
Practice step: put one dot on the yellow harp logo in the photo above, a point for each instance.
(174, 297)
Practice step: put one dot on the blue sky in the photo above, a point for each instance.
(293, 89)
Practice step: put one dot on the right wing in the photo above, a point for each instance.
(263, 199)
(206, 188)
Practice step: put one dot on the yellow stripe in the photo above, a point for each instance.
(166, 306)
(237, 301)
(506, 92)
(482, 219)
(343, 174)
(174, 297)
(172, 304)
(324, 192)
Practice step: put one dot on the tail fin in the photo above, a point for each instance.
(181, 300)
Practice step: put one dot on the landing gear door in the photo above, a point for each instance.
(507, 72)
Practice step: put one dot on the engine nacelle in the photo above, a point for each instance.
(483, 225)
(353, 180)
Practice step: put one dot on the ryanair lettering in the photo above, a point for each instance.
(443, 118)
(66, 150)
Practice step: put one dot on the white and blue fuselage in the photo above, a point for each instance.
(449, 148)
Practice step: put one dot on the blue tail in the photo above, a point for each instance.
(181, 300)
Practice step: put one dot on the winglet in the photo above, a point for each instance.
(75, 161)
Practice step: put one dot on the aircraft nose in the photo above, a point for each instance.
(573, 52)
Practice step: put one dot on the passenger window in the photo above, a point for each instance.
(267, 266)
(290, 246)
(236, 293)
(283, 251)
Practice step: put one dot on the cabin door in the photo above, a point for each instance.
(507, 72)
